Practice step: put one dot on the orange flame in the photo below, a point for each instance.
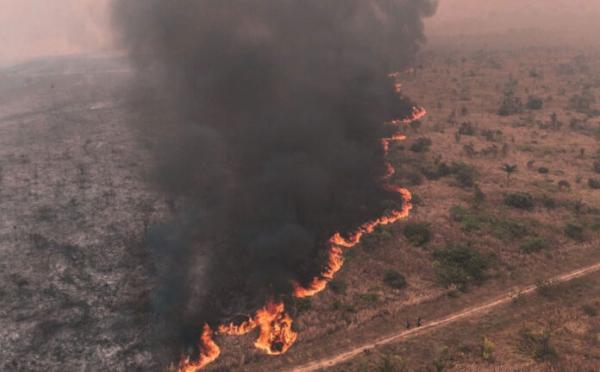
(336, 257)
(209, 352)
(276, 335)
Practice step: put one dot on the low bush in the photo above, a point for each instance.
(421, 145)
(534, 245)
(543, 170)
(537, 345)
(548, 202)
(510, 105)
(487, 350)
(394, 279)
(535, 103)
(417, 234)
(338, 286)
(466, 129)
(436, 171)
(464, 174)
(520, 200)
(459, 265)
(594, 183)
(507, 230)
(468, 220)
(369, 297)
(574, 232)
(590, 310)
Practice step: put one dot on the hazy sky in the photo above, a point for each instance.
(31, 28)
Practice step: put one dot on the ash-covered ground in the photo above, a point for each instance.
(74, 272)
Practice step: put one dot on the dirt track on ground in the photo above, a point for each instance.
(435, 324)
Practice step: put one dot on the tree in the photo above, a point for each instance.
(509, 169)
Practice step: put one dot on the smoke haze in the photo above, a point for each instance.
(34, 28)
(266, 127)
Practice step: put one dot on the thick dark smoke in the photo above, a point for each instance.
(266, 122)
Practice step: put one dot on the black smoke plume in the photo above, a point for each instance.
(265, 118)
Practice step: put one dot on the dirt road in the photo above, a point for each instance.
(431, 325)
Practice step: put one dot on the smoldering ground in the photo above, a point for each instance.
(266, 120)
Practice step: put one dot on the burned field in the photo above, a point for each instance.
(74, 278)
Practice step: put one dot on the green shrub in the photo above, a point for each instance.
(487, 349)
(303, 304)
(537, 345)
(459, 265)
(507, 230)
(394, 279)
(534, 245)
(535, 103)
(543, 170)
(369, 297)
(468, 220)
(464, 174)
(590, 310)
(338, 286)
(520, 200)
(548, 289)
(574, 232)
(594, 183)
(339, 305)
(466, 129)
(510, 105)
(548, 202)
(417, 234)
(436, 172)
(421, 145)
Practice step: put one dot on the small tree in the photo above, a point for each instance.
(509, 169)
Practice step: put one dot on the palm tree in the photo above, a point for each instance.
(509, 169)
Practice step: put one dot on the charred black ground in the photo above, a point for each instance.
(266, 124)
